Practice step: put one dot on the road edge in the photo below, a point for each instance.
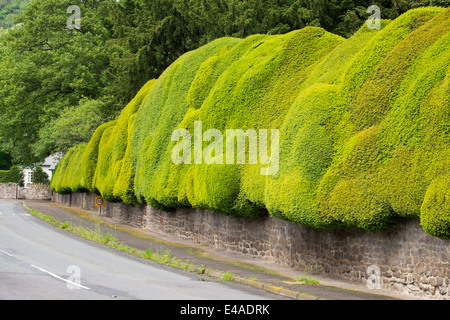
(193, 268)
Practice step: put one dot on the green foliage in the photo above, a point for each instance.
(90, 157)
(436, 208)
(124, 185)
(103, 165)
(124, 174)
(10, 10)
(372, 102)
(393, 156)
(13, 175)
(113, 165)
(68, 176)
(120, 46)
(149, 35)
(63, 67)
(5, 161)
(39, 176)
(163, 110)
(82, 120)
(364, 128)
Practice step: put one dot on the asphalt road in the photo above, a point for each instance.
(38, 261)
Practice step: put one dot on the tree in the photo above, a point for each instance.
(10, 10)
(13, 175)
(45, 68)
(149, 35)
(39, 176)
(5, 161)
(75, 125)
(50, 74)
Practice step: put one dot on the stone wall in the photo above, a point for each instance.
(32, 192)
(9, 191)
(38, 192)
(403, 259)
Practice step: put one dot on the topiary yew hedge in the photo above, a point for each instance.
(364, 129)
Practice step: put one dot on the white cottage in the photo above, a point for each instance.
(48, 166)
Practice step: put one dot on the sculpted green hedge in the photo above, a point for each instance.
(68, 175)
(363, 127)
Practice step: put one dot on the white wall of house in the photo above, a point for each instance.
(48, 166)
(27, 175)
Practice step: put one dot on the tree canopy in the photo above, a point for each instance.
(10, 10)
(52, 76)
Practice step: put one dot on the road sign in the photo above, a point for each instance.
(99, 202)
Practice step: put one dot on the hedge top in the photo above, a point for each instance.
(364, 128)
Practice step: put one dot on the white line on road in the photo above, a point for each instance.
(50, 273)
(6, 253)
(58, 277)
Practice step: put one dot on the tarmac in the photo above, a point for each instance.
(281, 281)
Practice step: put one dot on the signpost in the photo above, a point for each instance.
(99, 202)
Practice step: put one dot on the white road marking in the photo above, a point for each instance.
(58, 277)
(6, 253)
(50, 273)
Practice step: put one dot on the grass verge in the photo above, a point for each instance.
(110, 241)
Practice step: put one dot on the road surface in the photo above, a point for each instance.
(38, 261)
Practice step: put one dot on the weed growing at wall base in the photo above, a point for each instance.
(107, 239)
